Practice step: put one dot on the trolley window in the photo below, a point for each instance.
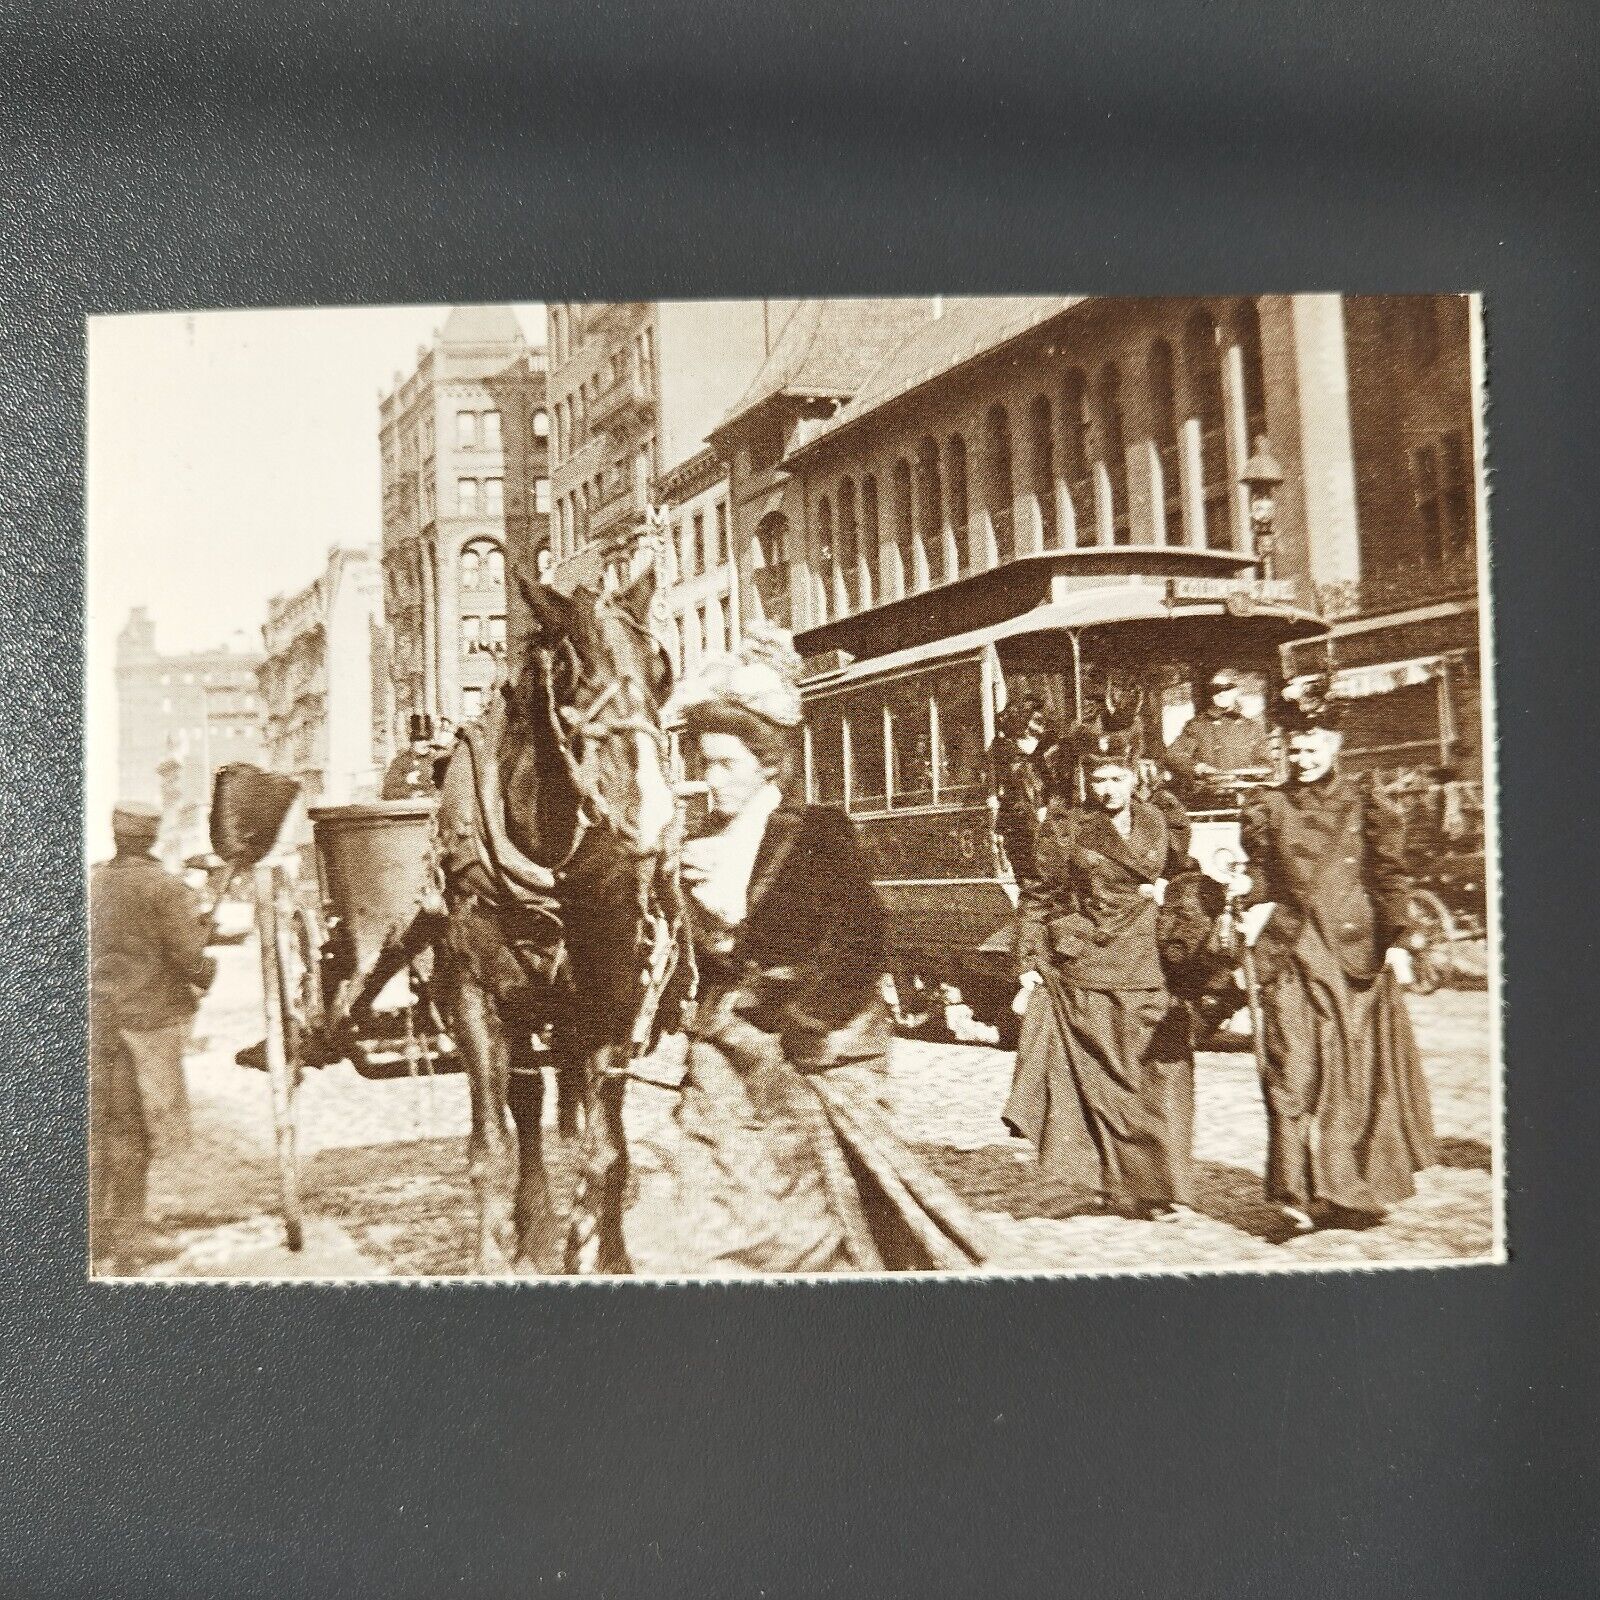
(958, 708)
(863, 712)
(910, 742)
(826, 726)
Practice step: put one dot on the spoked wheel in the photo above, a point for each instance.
(1435, 928)
(286, 1025)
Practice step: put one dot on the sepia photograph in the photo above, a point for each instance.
(692, 790)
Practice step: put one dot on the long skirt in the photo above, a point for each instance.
(1348, 1119)
(771, 1170)
(1104, 1090)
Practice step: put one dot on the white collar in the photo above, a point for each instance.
(727, 858)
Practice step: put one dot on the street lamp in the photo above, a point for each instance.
(1261, 476)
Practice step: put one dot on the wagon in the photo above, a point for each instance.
(321, 947)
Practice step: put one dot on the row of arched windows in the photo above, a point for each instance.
(1074, 480)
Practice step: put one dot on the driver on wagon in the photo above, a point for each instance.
(1221, 742)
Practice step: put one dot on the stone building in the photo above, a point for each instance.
(634, 388)
(466, 492)
(179, 718)
(316, 680)
(700, 597)
(998, 428)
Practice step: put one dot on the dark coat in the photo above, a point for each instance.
(1087, 915)
(148, 964)
(813, 916)
(1331, 853)
(1227, 741)
(410, 775)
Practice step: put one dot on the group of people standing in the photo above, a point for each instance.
(1117, 937)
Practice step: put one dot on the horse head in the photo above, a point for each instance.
(600, 678)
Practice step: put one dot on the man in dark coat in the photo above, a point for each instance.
(1348, 1119)
(148, 968)
(411, 773)
(1218, 744)
(1019, 780)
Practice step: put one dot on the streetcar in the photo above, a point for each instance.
(900, 704)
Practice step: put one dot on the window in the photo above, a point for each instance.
(1457, 480)
(864, 711)
(1042, 434)
(1164, 432)
(497, 634)
(467, 497)
(496, 564)
(541, 424)
(1116, 452)
(956, 478)
(849, 544)
(466, 430)
(930, 509)
(904, 526)
(825, 554)
(1075, 427)
(770, 559)
(491, 430)
(1441, 481)
(910, 742)
(998, 490)
(1206, 405)
(827, 754)
(471, 635)
(958, 707)
(699, 541)
(494, 496)
(719, 548)
(541, 496)
(472, 702)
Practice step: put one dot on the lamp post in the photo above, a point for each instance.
(1261, 476)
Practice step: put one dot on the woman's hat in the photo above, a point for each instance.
(1095, 744)
(760, 678)
(1308, 703)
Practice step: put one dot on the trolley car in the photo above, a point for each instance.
(900, 705)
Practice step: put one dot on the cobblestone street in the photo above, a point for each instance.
(386, 1191)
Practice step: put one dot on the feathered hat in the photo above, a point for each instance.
(1308, 702)
(760, 678)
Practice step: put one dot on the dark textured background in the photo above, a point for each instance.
(1405, 1433)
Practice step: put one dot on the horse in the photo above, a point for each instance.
(555, 843)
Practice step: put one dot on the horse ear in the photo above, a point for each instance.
(639, 596)
(550, 609)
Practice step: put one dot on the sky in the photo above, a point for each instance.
(227, 451)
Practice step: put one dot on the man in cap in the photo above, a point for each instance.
(1220, 743)
(148, 968)
(410, 774)
(1348, 1119)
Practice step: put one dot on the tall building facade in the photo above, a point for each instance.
(179, 718)
(635, 386)
(994, 429)
(700, 595)
(316, 680)
(464, 441)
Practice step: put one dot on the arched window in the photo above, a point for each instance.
(930, 510)
(849, 544)
(1203, 359)
(904, 526)
(1075, 430)
(997, 483)
(483, 564)
(955, 474)
(1116, 450)
(824, 569)
(769, 554)
(1247, 333)
(870, 536)
(1164, 431)
(1042, 441)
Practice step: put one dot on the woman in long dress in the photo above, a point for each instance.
(1104, 1084)
(783, 1160)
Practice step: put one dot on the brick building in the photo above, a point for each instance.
(316, 680)
(179, 718)
(466, 492)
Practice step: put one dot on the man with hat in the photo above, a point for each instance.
(410, 774)
(1220, 743)
(1348, 1119)
(148, 968)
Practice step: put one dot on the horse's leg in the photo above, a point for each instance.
(594, 1233)
(566, 1058)
(532, 1215)
(480, 1036)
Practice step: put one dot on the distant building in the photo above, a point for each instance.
(700, 596)
(179, 718)
(466, 492)
(635, 386)
(316, 680)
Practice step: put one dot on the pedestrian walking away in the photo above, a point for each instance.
(1104, 1083)
(148, 969)
(1348, 1118)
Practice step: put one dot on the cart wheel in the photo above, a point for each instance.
(273, 918)
(1435, 928)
